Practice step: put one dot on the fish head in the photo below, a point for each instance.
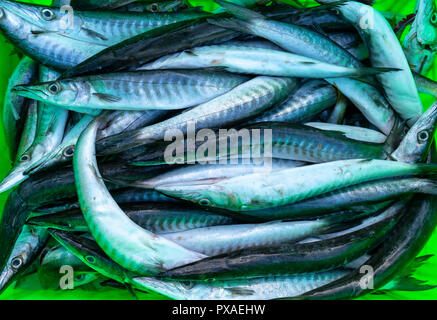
(21, 257)
(89, 252)
(60, 93)
(415, 146)
(41, 18)
(204, 195)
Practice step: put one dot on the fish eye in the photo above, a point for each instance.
(187, 284)
(47, 14)
(90, 259)
(205, 202)
(434, 18)
(423, 136)
(24, 158)
(54, 88)
(2, 13)
(154, 7)
(17, 262)
(69, 152)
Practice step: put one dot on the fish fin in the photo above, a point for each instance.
(131, 291)
(94, 34)
(240, 291)
(400, 27)
(395, 137)
(37, 32)
(107, 97)
(238, 11)
(191, 53)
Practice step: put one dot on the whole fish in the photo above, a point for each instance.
(28, 245)
(293, 257)
(260, 191)
(257, 61)
(15, 107)
(141, 90)
(244, 101)
(265, 288)
(155, 217)
(132, 247)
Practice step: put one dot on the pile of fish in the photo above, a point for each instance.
(259, 151)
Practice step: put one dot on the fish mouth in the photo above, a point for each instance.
(6, 278)
(30, 92)
(12, 180)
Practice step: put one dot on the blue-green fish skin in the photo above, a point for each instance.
(244, 101)
(261, 191)
(130, 91)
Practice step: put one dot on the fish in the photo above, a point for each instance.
(257, 61)
(49, 133)
(262, 288)
(339, 110)
(96, 27)
(425, 85)
(26, 249)
(140, 90)
(262, 191)
(159, 218)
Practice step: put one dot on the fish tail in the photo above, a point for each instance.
(238, 11)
